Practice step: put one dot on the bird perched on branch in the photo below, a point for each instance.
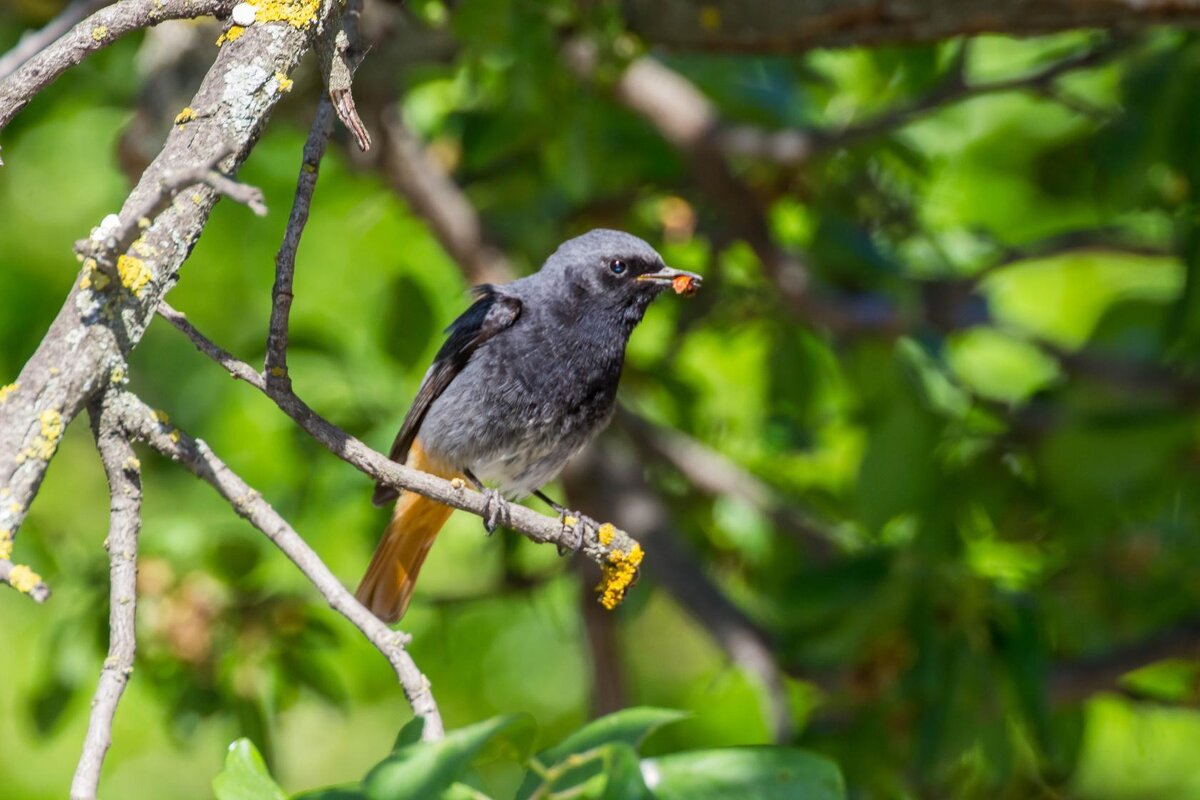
(527, 376)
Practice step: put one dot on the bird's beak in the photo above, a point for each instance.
(683, 282)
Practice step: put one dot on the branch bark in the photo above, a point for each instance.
(140, 421)
(123, 470)
(33, 42)
(792, 26)
(96, 32)
(84, 350)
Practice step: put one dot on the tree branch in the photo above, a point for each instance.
(140, 421)
(604, 547)
(435, 196)
(123, 470)
(613, 480)
(797, 147)
(19, 576)
(96, 32)
(33, 42)
(84, 350)
(794, 26)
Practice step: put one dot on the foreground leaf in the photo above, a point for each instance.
(245, 775)
(748, 773)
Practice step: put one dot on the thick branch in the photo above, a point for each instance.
(142, 422)
(793, 26)
(125, 521)
(97, 31)
(85, 347)
(538, 527)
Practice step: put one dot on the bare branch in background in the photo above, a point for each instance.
(96, 32)
(434, 196)
(797, 146)
(123, 470)
(142, 422)
(33, 42)
(604, 478)
(713, 474)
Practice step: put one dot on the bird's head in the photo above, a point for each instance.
(607, 269)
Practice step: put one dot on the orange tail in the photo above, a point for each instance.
(389, 582)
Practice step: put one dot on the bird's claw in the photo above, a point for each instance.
(573, 523)
(495, 511)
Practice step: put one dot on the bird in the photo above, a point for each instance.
(527, 376)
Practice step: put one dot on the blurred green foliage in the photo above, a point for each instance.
(1004, 521)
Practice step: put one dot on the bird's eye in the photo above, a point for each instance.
(618, 266)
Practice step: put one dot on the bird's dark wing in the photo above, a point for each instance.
(492, 312)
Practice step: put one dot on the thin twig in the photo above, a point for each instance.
(96, 32)
(276, 368)
(141, 421)
(123, 470)
(22, 578)
(33, 42)
(107, 243)
(538, 527)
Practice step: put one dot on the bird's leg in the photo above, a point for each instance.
(496, 510)
(571, 520)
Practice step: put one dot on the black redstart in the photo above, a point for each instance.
(527, 376)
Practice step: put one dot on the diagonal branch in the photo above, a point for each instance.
(798, 146)
(84, 350)
(33, 42)
(140, 421)
(96, 32)
(606, 546)
(125, 521)
(19, 576)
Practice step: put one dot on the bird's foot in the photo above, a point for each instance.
(496, 511)
(573, 526)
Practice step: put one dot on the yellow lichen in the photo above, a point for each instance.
(117, 374)
(232, 35)
(297, 13)
(15, 508)
(99, 33)
(161, 417)
(197, 198)
(5, 391)
(285, 83)
(132, 463)
(45, 443)
(458, 483)
(618, 574)
(93, 278)
(278, 372)
(134, 273)
(6, 544)
(23, 579)
(182, 118)
(570, 521)
(605, 533)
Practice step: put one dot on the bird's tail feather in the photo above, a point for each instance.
(388, 583)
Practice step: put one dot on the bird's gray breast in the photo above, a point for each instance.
(528, 400)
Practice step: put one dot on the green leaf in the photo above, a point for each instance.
(748, 773)
(630, 726)
(424, 769)
(410, 733)
(245, 776)
(624, 775)
(349, 792)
